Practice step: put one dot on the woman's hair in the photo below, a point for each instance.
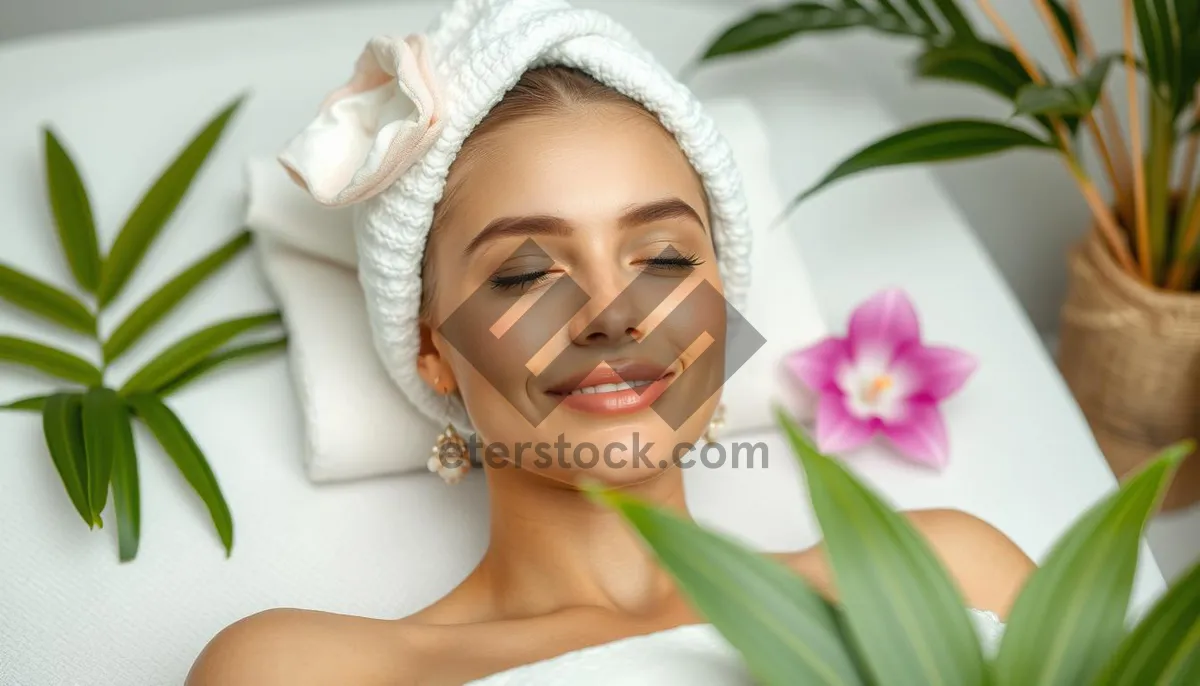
(542, 91)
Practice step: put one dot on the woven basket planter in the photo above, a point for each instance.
(1131, 356)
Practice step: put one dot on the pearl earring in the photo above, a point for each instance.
(715, 424)
(449, 458)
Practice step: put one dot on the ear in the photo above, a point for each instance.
(433, 368)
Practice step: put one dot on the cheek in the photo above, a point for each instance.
(696, 328)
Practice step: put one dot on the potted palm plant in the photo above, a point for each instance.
(1130, 328)
(900, 619)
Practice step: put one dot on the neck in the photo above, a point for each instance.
(552, 548)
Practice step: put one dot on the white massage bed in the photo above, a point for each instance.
(123, 99)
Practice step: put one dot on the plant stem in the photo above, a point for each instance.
(1158, 181)
(1111, 122)
(1184, 268)
(1191, 154)
(1071, 59)
(1107, 223)
(1135, 135)
(1189, 163)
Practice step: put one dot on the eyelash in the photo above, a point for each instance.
(530, 279)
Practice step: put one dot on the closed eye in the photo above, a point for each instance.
(519, 281)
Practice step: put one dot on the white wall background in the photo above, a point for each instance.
(1023, 206)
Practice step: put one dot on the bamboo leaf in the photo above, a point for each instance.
(786, 633)
(219, 358)
(903, 610)
(157, 205)
(184, 354)
(63, 427)
(989, 66)
(1160, 646)
(126, 490)
(1070, 616)
(1063, 18)
(35, 403)
(182, 449)
(104, 415)
(49, 360)
(44, 300)
(72, 213)
(936, 142)
(1076, 97)
(160, 304)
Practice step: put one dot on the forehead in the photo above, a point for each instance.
(586, 164)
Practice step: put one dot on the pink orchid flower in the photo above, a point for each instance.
(881, 379)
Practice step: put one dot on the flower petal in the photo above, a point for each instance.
(920, 435)
(818, 365)
(933, 372)
(837, 429)
(883, 324)
(372, 129)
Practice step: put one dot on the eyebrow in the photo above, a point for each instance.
(550, 225)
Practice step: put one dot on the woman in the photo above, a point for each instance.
(541, 254)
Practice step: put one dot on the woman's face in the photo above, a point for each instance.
(577, 305)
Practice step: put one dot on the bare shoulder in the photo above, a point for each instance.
(987, 566)
(297, 647)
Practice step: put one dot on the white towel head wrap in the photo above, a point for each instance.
(386, 139)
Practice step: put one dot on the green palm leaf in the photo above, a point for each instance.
(936, 142)
(960, 26)
(1076, 97)
(219, 358)
(1063, 18)
(1070, 615)
(183, 355)
(158, 305)
(105, 428)
(72, 214)
(34, 403)
(62, 423)
(182, 449)
(157, 206)
(1165, 49)
(1162, 644)
(987, 65)
(44, 300)
(924, 18)
(786, 633)
(766, 28)
(903, 610)
(49, 360)
(126, 491)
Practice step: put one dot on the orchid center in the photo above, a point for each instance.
(876, 388)
(872, 390)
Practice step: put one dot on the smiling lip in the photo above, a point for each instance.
(614, 388)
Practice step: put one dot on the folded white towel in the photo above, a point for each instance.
(358, 422)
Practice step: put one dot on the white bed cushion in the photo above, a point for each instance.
(357, 422)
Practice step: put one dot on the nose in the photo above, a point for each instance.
(618, 309)
(610, 318)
